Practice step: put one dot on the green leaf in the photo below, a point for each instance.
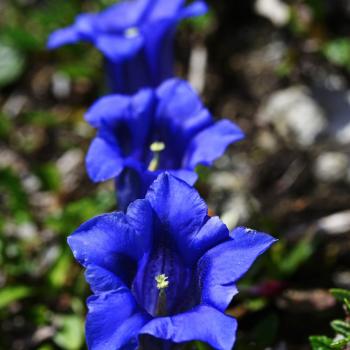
(203, 173)
(338, 51)
(201, 346)
(347, 305)
(320, 342)
(82, 210)
(300, 253)
(58, 274)
(11, 63)
(318, 8)
(340, 294)
(21, 38)
(70, 335)
(255, 304)
(76, 70)
(201, 23)
(265, 331)
(50, 176)
(5, 126)
(340, 343)
(106, 3)
(341, 327)
(40, 118)
(40, 314)
(16, 201)
(45, 347)
(13, 293)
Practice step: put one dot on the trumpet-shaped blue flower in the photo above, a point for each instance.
(164, 272)
(136, 38)
(142, 135)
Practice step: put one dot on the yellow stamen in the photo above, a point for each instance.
(131, 32)
(156, 148)
(162, 281)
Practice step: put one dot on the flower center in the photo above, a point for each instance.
(156, 148)
(131, 32)
(162, 284)
(162, 281)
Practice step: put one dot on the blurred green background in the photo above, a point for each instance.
(248, 54)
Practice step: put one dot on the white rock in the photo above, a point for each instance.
(61, 85)
(295, 115)
(267, 141)
(197, 68)
(31, 183)
(236, 211)
(342, 279)
(225, 181)
(15, 104)
(27, 231)
(336, 103)
(331, 166)
(69, 161)
(335, 224)
(70, 167)
(238, 207)
(275, 10)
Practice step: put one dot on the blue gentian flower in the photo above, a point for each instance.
(135, 37)
(142, 135)
(164, 272)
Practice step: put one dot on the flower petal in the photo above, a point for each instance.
(188, 176)
(113, 321)
(212, 233)
(196, 8)
(202, 323)
(125, 14)
(178, 101)
(63, 36)
(107, 108)
(85, 26)
(180, 115)
(82, 29)
(177, 204)
(103, 160)
(211, 143)
(164, 9)
(124, 121)
(102, 280)
(221, 267)
(130, 186)
(135, 72)
(159, 49)
(180, 210)
(118, 48)
(111, 240)
(140, 217)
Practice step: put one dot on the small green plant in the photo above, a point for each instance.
(341, 340)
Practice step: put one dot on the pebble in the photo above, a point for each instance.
(331, 166)
(275, 10)
(296, 116)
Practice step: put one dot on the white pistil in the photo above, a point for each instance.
(131, 32)
(156, 148)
